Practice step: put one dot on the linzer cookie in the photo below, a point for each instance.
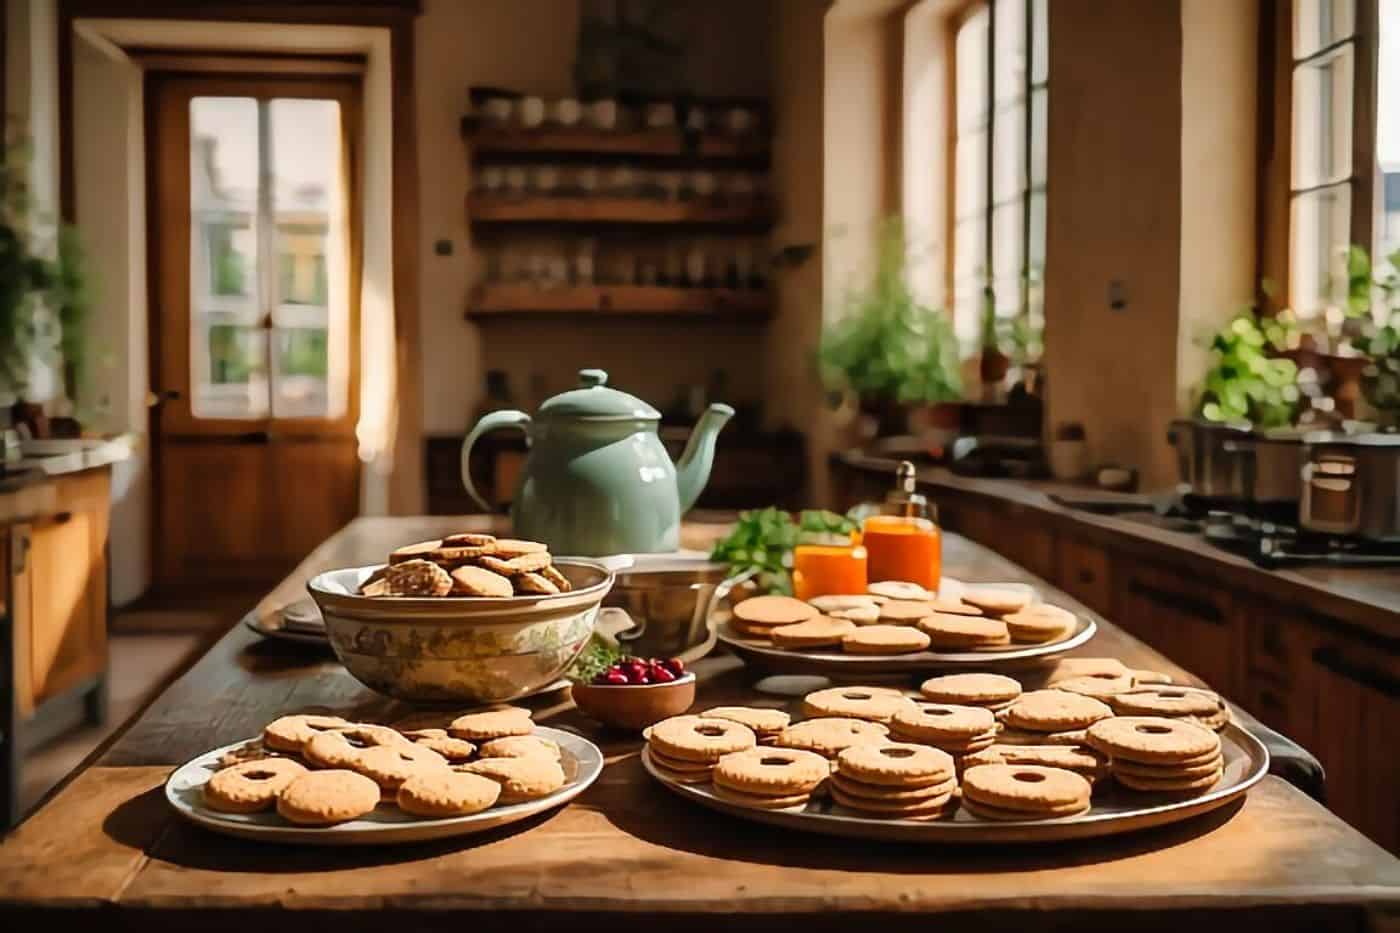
(954, 729)
(521, 779)
(290, 733)
(1079, 667)
(770, 778)
(829, 736)
(873, 703)
(1204, 706)
(765, 723)
(1054, 711)
(1082, 760)
(453, 750)
(250, 786)
(1154, 740)
(1023, 792)
(1099, 686)
(700, 738)
(895, 781)
(992, 691)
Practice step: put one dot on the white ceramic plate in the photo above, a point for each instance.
(276, 626)
(1115, 809)
(387, 825)
(831, 662)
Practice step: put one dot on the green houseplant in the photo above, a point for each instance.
(886, 346)
(1247, 381)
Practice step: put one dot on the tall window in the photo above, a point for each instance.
(998, 223)
(1387, 186)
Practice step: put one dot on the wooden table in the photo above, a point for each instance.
(628, 854)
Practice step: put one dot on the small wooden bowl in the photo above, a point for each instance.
(635, 706)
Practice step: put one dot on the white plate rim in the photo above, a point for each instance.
(588, 760)
(982, 831)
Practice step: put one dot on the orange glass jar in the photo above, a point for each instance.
(829, 568)
(904, 542)
(904, 548)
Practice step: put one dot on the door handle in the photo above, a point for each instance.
(157, 399)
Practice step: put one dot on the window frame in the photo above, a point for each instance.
(1028, 90)
(1276, 190)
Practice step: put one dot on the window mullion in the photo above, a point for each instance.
(266, 236)
(989, 168)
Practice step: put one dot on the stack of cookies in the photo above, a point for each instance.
(685, 749)
(949, 632)
(1023, 792)
(957, 730)
(1081, 759)
(1050, 717)
(760, 615)
(995, 692)
(766, 724)
(829, 736)
(1154, 753)
(875, 704)
(468, 564)
(769, 778)
(896, 780)
(319, 770)
(1203, 706)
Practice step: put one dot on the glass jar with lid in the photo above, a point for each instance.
(903, 541)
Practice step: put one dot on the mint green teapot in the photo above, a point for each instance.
(598, 480)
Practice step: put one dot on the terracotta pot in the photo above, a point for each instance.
(1346, 381)
(634, 707)
(993, 366)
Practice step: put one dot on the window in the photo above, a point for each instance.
(1387, 223)
(998, 220)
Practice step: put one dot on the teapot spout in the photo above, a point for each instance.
(693, 468)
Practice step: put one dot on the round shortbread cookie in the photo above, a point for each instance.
(899, 589)
(884, 639)
(829, 736)
(510, 548)
(905, 795)
(414, 578)
(291, 733)
(516, 566)
(419, 551)
(453, 750)
(447, 793)
(323, 798)
(1080, 667)
(682, 777)
(904, 612)
(1028, 788)
(1167, 701)
(761, 720)
(341, 748)
(468, 539)
(985, 812)
(1013, 736)
(1219, 720)
(1054, 711)
(834, 603)
(931, 809)
(478, 581)
(1039, 623)
(520, 746)
(971, 689)
(772, 772)
(995, 600)
(250, 786)
(533, 584)
(1099, 686)
(1169, 785)
(1167, 772)
(949, 631)
(901, 764)
(1079, 759)
(760, 801)
(816, 632)
(1152, 739)
(391, 765)
(773, 610)
(521, 779)
(492, 724)
(873, 703)
(679, 764)
(698, 738)
(953, 607)
(944, 722)
(860, 615)
(1148, 678)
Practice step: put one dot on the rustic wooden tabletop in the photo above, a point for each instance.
(628, 854)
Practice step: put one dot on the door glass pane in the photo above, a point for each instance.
(1322, 99)
(1320, 231)
(1040, 41)
(228, 377)
(1008, 251)
(1010, 41)
(1039, 136)
(971, 81)
(971, 175)
(1319, 23)
(1387, 221)
(1009, 156)
(310, 315)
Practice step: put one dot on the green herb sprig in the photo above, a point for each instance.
(763, 540)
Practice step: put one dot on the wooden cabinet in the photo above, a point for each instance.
(1082, 570)
(1187, 619)
(64, 578)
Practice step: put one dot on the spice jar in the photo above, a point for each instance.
(903, 542)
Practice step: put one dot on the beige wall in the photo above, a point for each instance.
(1114, 215)
(528, 45)
(1219, 104)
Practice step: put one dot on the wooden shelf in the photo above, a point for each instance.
(756, 213)
(581, 141)
(494, 301)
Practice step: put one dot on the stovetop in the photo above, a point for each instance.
(1271, 545)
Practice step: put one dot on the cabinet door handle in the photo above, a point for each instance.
(1178, 602)
(1334, 661)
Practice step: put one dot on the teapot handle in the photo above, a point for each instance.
(490, 422)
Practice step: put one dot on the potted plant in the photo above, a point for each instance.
(886, 346)
(1248, 381)
(994, 364)
(1380, 342)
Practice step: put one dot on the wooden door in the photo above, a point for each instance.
(254, 319)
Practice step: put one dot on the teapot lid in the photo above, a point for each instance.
(593, 399)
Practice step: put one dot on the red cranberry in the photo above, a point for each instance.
(659, 675)
(614, 678)
(675, 665)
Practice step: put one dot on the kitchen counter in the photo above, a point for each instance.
(107, 849)
(1368, 597)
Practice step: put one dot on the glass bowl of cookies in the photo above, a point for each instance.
(466, 618)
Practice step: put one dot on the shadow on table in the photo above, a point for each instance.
(659, 817)
(192, 847)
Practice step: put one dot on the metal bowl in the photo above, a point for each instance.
(459, 649)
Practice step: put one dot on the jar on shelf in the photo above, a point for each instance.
(825, 564)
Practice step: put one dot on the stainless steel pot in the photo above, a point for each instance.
(1351, 485)
(1269, 471)
(1208, 466)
